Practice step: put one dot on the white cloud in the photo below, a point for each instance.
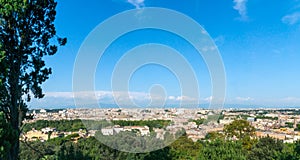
(208, 99)
(291, 19)
(219, 40)
(213, 100)
(208, 48)
(285, 101)
(137, 3)
(185, 98)
(244, 99)
(59, 94)
(291, 100)
(240, 6)
(203, 31)
(171, 97)
(61, 99)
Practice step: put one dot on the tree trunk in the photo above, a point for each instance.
(14, 109)
(14, 151)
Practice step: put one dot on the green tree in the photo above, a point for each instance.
(289, 152)
(184, 148)
(214, 135)
(221, 149)
(240, 129)
(62, 153)
(297, 150)
(197, 121)
(37, 150)
(6, 136)
(26, 30)
(266, 148)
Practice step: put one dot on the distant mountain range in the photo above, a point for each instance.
(204, 106)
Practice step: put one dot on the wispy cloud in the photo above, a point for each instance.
(137, 3)
(66, 99)
(291, 100)
(291, 19)
(61, 99)
(208, 99)
(219, 40)
(240, 6)
(185, 98)
(283, 102)
(244, 99)
(171, 97)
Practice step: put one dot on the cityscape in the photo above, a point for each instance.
(149, 80)
(281, 124)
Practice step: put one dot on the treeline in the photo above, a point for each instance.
(150, 123)
(265, 117)
(61, 125)
(237, 142)
(75, 125)
(183, 148)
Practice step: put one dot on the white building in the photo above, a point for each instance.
(107, 131)
(43, 111)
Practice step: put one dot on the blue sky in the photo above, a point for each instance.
(258, 41)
